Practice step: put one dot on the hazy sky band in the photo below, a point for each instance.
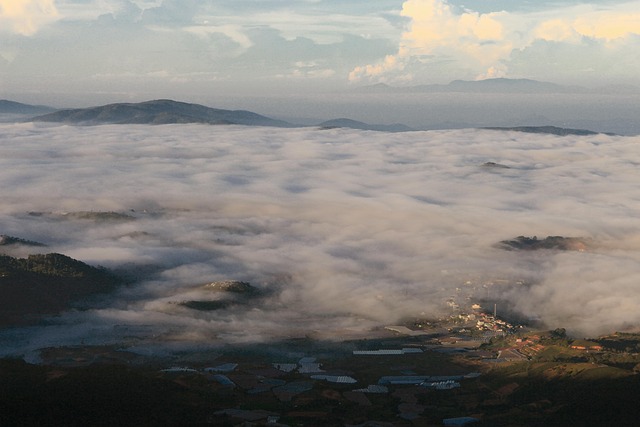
(265, 47)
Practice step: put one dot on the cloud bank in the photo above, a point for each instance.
(342, 230)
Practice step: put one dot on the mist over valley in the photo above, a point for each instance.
(338, 231)
(290, 213)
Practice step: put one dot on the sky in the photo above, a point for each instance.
(84, 50)
(343, 229)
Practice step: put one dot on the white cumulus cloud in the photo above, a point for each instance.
(482, 44)
(26, 17)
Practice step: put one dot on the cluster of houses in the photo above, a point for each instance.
(489, 322)
(586, 345)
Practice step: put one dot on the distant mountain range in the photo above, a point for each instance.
(12, 107)
(498, 85)
(161, 111)
(551, 130)
(165, 111)
(353, 124)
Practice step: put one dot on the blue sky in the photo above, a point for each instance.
(169, 47)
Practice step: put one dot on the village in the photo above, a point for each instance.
(470, 367)
(412, 377)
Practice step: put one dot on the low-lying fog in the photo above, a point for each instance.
(342, 230)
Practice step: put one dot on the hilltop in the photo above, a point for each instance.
(161, 111)
(550, 130)
(550, 242)
(12, 107)
(45, 284)
(167, 111)
(354, 124)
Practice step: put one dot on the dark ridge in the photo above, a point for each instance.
(96, 216)
(354, 124)
(494, 165)
(205, 305)
(100, 216)
(12, 107)
(161, 111)
(53, 265)
(551, 130)
(90, 215)
(10, 240)
(550, 242)
(236, 293)
(46, 284)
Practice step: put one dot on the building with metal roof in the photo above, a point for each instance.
(407, 379)
(340, 379)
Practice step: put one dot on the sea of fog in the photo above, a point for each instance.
(342, 230)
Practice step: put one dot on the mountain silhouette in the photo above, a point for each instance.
(354, 124)
(12, 107)
(161, 111)
(497, 85)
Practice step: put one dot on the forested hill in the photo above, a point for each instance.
(46, 284)
(161, 111)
